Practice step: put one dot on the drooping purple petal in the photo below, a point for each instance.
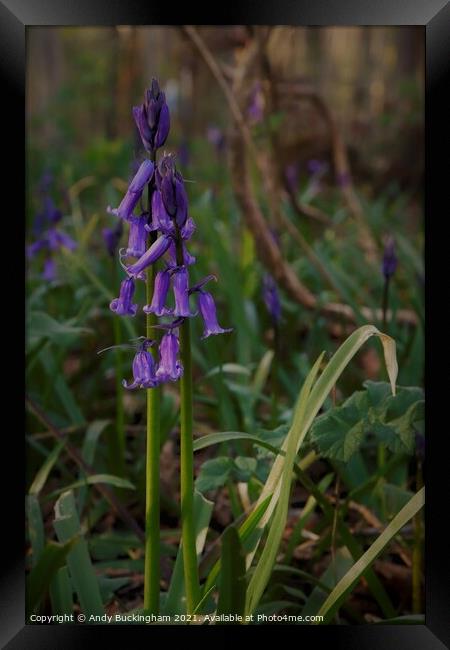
(123, 305)
(160, 219)
(197, 287)
(168, 194)
(158, 304)
(137, 237)
(180, 283)
(208, 311)
(188, 259)
(144, 371)
(142, 177)
(156, 250)
(134, 192)
(188, 229)
(169, 367)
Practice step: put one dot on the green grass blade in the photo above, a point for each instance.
(61, 592)
(52, 558)
(338, 567)
(45, 469)
(91, 438)
(225, 436)
(245, 532)
(263, 570)
(319, 393)
(84, 580)
(176, 601)
(350, 579)
(307, 511)
(35, 527)
(61, 388)
(232, 576)
(108, 479)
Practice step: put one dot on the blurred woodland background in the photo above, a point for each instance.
(302, 150)
(84, 80)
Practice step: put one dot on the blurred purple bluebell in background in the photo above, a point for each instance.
(388, 268)
(390, 259)
(255, 110)
(112, 236)
(216, 137)
(271, 298)
(49, 237)
(317, 170)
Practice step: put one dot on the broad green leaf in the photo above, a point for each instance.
(244, 468)
(340, 433)
(214, 473)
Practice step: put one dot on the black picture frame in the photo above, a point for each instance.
(434, 16)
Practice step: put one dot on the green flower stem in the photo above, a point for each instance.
(191, 578)
(116, 442)
(152, 497)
